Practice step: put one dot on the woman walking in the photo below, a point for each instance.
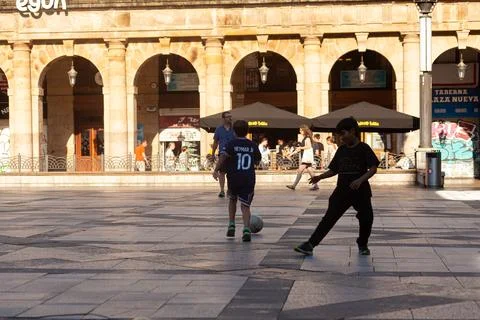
(306, 151)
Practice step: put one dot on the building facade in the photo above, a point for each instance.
(312, 49)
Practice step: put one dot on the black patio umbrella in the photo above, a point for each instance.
(259, 115)
(370, 117)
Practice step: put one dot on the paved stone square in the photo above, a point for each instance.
(98, 253)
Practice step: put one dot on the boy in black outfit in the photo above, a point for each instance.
(355, 163)
(239, 158)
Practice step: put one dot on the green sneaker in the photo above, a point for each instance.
(364, 251)
(305, 248)
(231, 231)
(247, 235)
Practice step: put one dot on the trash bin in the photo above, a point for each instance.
(434, 177)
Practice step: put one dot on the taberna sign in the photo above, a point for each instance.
(35, 6)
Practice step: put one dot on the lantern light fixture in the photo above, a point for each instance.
(263, 72)
(72, 75)
(362, 71)
(461, 68)
(167, 74)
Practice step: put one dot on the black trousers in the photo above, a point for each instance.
(339, 202)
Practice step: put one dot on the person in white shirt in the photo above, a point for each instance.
(265, 152)
(306, 149)
(170, 157)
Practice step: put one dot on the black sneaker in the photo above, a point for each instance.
(364, 251)
(291, 187)
(247, 235)
(306, 248)
(221, 194)
(231, 231)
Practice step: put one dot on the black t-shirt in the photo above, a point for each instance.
(352, 163)
(243, 155)
(317, 146)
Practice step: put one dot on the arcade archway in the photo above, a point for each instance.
(279, 89)
(73, 117)
(455, 112)
(168, 114)
(377, 88)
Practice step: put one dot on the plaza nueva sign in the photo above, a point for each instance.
(34, 6)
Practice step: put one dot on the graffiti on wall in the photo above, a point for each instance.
(4, 148)
(458, 144)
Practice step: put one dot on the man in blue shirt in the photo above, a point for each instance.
(223, 134)
(239, 159)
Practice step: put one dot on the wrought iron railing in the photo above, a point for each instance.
(156, 163)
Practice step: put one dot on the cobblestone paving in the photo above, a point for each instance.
(162, 254)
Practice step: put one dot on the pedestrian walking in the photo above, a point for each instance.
(331, 148)
(318, 150)
(140, 157)
(223, 134)
(239, 158)
(306, 151)
(355, 163)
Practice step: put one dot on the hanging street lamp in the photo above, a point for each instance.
(263, 72)
(362, 71)
(72, 75)
(167, 74)
(461, 68)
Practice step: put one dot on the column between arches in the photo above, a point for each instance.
(21, 111)
(312, 70)
(116, 128)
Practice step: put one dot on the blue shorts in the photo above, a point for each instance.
(241, 191)
(245, 197)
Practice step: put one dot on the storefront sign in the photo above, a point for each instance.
(183, 82)
(373, 79)
(368, 123)
(179, 121)
(180, 134)
(258, 123)
(34, 6)
(453, 103)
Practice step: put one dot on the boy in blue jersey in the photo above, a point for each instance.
(239, 158)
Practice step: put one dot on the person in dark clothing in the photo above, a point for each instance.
(239, 158)
(355, 163)
(318, 150)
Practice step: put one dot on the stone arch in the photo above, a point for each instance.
(234, 52)
(340, 97)
(336, 49)
(442, 44)
(6, 63)
(139, 53)
(44, 55)
(43, 73)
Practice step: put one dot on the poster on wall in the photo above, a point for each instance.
(3, 83)
(4, 111)
(140, 133)
(4, 149)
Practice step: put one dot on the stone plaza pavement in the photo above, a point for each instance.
(97, 253)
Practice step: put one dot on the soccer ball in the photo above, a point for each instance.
(256, 223)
